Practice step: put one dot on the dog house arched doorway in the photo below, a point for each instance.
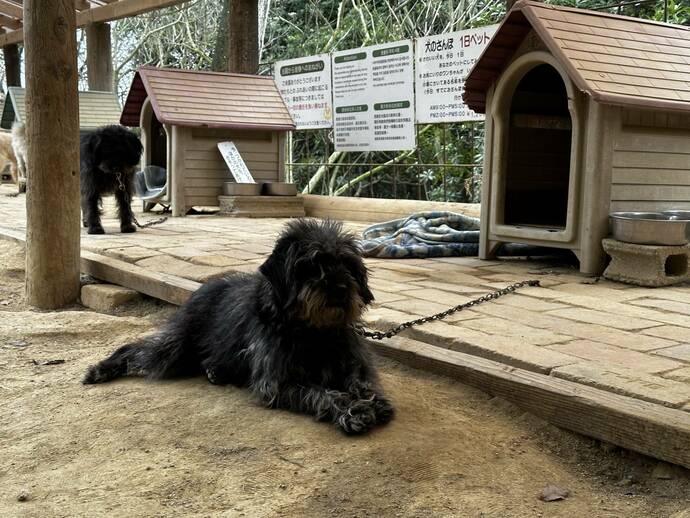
(535, 159)
(538, 154)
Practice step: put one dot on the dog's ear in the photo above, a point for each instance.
(90, 150)
(279, 271)
(361, 275)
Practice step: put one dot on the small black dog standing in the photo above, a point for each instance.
(108, 157)
(285, 332)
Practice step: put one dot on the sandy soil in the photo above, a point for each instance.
(187, 448)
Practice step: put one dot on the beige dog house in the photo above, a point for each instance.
(96, 109)
(586, 113)
(183, 116)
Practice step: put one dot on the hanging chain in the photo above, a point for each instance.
(128, 200)
(380, 335)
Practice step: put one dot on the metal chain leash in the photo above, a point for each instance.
(380, 335)
(121, 186)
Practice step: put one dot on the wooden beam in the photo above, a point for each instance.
(52, 134)
(11, 9)
(162, 286)
(12, 65)
(105, 13)
(99, 58)
(637, 425)
(9, 22)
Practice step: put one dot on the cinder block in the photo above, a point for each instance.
(646, 265)
(106, 297)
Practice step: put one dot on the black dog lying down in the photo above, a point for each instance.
(108, 157)
(285, 332)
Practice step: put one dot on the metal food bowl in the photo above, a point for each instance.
(279, 189)
(241, 189)
(650, 228)
(677, 214)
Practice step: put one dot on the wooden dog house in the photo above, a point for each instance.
(586, 113)
(183, 116)
(96, 109)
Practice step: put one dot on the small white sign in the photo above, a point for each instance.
(373, 98)
(442, 64)
(305, 85)
(235, 163)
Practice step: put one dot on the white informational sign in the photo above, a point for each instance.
(305, 85)
(442, 64)
(373, 98)
(235, 163)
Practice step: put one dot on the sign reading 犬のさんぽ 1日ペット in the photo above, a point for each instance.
(441, 64)
(373, 98)
(305, 85)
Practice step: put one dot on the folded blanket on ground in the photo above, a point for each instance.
(430, 234)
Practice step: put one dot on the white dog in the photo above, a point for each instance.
(19, 147)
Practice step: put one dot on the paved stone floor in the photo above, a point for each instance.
(624, 339)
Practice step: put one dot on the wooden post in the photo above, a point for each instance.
(99, 58)
(52, 127)
(243, 47)
(12, 73)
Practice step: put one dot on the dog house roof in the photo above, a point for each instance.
(96, 109)
(207, 99)
(614, 59)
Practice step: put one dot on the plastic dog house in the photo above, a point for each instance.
(586, 113)
(183, 115)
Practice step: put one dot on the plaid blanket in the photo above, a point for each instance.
(431, 234)
(423, 234)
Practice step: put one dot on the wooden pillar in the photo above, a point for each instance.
(12, 72)
(99, 57)
(243, 47)
(52, 127)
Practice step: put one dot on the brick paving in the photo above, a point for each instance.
(624, 339)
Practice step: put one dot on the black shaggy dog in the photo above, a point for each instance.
(108, 157)
(285, 332)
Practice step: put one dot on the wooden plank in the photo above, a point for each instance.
(371, 209)
(651, 160)
(650, 192)
(646, 176)
(637, 425)
(653, 140)
(10, 9)
(162, 286)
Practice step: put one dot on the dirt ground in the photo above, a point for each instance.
(187, 448)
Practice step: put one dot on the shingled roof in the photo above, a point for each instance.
(96, 109)
(615, 59)
(207, 99)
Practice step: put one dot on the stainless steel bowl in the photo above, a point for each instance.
(279, 189)
(649, 228)
(241, 189)
(677, 214)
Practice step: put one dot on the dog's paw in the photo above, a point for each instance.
(127, 228)
(94, 375)
(95, 230)
(383, 409)
(360, 417)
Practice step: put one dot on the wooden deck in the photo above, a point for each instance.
(607, 360)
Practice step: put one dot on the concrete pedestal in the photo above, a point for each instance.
(647, 265)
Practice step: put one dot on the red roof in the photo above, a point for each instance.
(615, 59)
(207, 100)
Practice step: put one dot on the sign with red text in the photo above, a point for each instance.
(305, 85)
(442, 63)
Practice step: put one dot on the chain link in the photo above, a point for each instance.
(121, 186)
(380, 335)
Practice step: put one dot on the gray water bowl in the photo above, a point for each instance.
(241, 189)
(279, 189)
(650, 228)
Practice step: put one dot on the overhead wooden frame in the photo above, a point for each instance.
(87, 11)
